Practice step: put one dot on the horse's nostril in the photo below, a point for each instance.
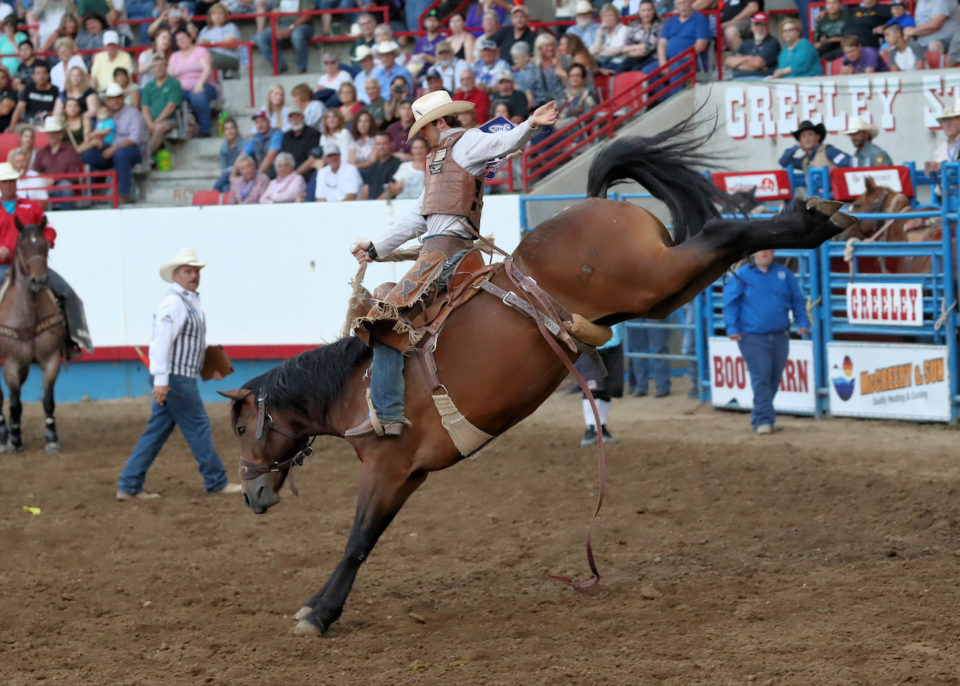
(260, 493)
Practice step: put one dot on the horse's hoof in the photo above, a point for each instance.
(52, 447)
(14, 448)
(305, 628)
(842, 219)
(827, 207)
(303, 612)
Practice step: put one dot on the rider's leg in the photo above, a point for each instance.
(72, 310)
(386, 383)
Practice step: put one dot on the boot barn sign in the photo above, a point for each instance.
(891, 102)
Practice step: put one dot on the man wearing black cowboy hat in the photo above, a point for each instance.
(811, 151)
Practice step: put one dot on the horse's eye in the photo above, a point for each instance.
(241, 430)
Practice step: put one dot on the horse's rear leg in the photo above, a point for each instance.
(51, 370)
(384, 488)
(15, 373)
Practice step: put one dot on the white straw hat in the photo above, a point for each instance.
(433, 106)
(114, 90)
(950, 111)
(858, 124)
(186, 257)
(8, 173)
(51, 124)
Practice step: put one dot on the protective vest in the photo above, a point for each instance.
(820, 159)
(449, 188)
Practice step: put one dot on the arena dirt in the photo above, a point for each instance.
(825, 554)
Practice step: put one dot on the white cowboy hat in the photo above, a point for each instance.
(387, 46)
(858, 124)
(8, 173)
(363, 52)
(52, 124)
(114, 90)
(950, 111)
(186, 257)
(433, 106)
(583, 7)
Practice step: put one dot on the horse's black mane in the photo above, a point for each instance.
(310, 381)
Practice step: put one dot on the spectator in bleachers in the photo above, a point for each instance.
(265, 142)
(607, 47)
(139, 9)
(162, 45)
(572, 51)
(425, 49)
(122, 78)
(488, 67)
(129, 146)
(349, 105)
(68, 27)
(643, 33)
(655, 341)
(517, 101)
(173, 18)
(477, 22)
(105, 61)
(276, 108)
(866, 153)
(899, 16)
(28, 60)
(58, 158)
(299, 141)
(462, 42)
(78, 86)
(295, 30)
(585, 28)
(829, 30)
(517, 31)
(333, 76)
(29, 186)
(409, 179)
(375, 103)
(361, 147)
(68, 59)
(735, 20)
(288, 186)
(366, 23)
(106, 8)
(337, 181)
(810, 150)
(399, 130)
(550, 72)
(364, 59)
(525, 74)
(491, 26)
(577, 99)
(105, 130)
(377, 176)
(470, 93)
(863, 19)
(91, 33)
(220, 30)
(334, 129)
(26, 140)
(937, 22)
(758, 57)
(798, 57)
(903, 55)
(76, 126)
(192, 66)
(8, 99)
(399, 91)
(389, 69)
(10, 38)
(230, 150)
(468, 119)
(37, 100)
(501, 109)
(949, 150)
(450, 67)
(432, 82)
(860, 59)
(160, 101)
(247, 184)
(250, 7)
(312, 109)
(687, 29)
(326, 20)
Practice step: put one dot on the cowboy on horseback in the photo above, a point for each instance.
(447, 214)
(31, 212)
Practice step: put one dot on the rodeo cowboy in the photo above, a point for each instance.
(447, 215)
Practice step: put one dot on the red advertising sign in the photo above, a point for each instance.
(770, 185)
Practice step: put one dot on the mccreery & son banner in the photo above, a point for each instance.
(730, 381)
(890, 381)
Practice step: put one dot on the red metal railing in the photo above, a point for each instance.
(82, 183)
(603, 120)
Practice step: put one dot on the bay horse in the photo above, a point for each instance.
(32, 329)
(605, 260)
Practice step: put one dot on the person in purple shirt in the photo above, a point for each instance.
(426, 46)
(475, 15)
(860, 59)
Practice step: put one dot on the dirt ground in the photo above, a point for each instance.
(824, 554)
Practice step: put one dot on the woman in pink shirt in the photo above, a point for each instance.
(289, 186)
(192, 66)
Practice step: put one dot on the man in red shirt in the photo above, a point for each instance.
(58, 158)
(469, 92)
(30, 212)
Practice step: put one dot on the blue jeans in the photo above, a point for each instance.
(63, 194)
(766, 356)
(122, 161)
(222, 183)
(301, 44)
(200, 103)
(386, 382)
(335, 4)
(182, 408)
(141, 9)
(412, 11)
(649, 340)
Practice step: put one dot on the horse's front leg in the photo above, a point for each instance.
(15, 373)
(51, 370)
(384, 487)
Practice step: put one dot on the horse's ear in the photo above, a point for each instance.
(17, 223)
(870, 184)
(236, 393)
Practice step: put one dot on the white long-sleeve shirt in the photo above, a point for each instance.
(472, 152)
(169, 321)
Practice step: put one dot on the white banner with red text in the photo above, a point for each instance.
(730, 380)
(888, 304)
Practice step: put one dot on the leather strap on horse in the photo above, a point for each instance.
(28, 333)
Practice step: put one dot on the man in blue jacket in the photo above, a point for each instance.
(811, 151)
(757, 302)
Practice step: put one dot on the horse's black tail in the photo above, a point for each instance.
(662, 164)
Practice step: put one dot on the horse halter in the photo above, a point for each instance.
(251, 470)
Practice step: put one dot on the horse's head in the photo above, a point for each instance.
(268, 449)
(30, 255)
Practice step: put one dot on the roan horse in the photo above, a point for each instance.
(32, 329)
(608, 261)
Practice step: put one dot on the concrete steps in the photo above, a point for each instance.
(196, 165)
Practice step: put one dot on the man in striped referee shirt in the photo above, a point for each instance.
(176, 357)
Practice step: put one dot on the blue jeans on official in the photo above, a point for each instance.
(63, 194)
(122, 161)
(649, 340)
(182, 408)
(200, 103)
(386, 382)
(301, 44)
(766, 356)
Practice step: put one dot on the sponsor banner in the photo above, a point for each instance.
(847, 184)
(889, 381)
(769, 185)
(885, 303)
(730, 381)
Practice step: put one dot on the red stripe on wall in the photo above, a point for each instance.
(236, 352)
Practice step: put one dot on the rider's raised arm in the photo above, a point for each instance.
(477, 147)
(402, 230)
